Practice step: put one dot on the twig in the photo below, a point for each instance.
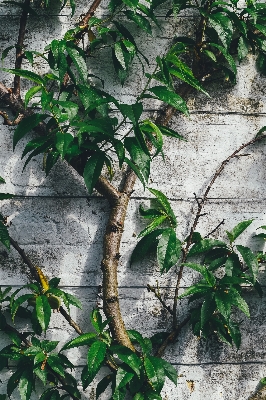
(159, 297)
(198, 214)
(215, 229)
(34, 274)
(171, 337)
(20, 45)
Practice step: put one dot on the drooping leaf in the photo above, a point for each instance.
(63, 141)
(103, 384)
(140, 20)
(155, 373)
(145, 245)
(30, 93)
(43, 311)
(168, 250)
(170, 371)
(123, 376)
(223, 26)
(250, 259)
(26, 125)
(169, 97)
(128, 357)
(96, 356)
(156, 222)
(138, 156)
(93, 169)
(55, 363)
(78, 60)
(26, 383)
(164, 203)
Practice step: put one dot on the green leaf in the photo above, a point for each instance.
(223, 302)
(170, 132)
(26, 74)
(43, 311)
(141, 21)
(123, 376)
(138, 156)
(227, 56)
(56, 364)
(183, 72)
(207, 309)
(168, 250)
(2, 180)
(238, 301)
(26, 125)
(128, 356)
(145, 343)
(136, 170)
(96, 356)
(154, 135)
(83, 340)
(18, 302)
(103, 384)
(238, 229)
(30, 93)
(166, 207)
(232, 265)
(155, 372)
(6, 51)
(4, 235)
(70, 108)
(26, 384)
(156, 222)
(132, 111)
(205, 245)
(63, 141)
(93, 169)
(149, 213)
(170, 371)
(200, 288)
(14, 381)
(242, 48)
(78, 60)
(223, 26)
(169, 97)
(140, 396)
(250, 259)
(234, 332)
(145, 245)
(73, 300)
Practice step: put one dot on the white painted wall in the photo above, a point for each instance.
(60, 226)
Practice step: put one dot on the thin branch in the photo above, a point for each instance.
(198, 214)
(215, 229)
(84, 21)
(171, 337)
(35, 276)
(20, 45)
(159, 297)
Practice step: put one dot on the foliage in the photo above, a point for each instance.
(74, 119)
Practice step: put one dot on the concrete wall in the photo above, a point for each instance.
(60, 226)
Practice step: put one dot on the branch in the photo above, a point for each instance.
(171, 337)
(35, 276)
(90, 13)
(20, 45)
(215, 229)
(159, 297)
(198, 214)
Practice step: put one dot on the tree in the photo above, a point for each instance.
(76, 119)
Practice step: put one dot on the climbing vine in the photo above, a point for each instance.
(75, 119)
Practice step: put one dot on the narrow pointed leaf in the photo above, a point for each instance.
(26, 125)
(169, 97)
(93, 169)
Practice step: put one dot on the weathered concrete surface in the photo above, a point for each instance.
(61, 227)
